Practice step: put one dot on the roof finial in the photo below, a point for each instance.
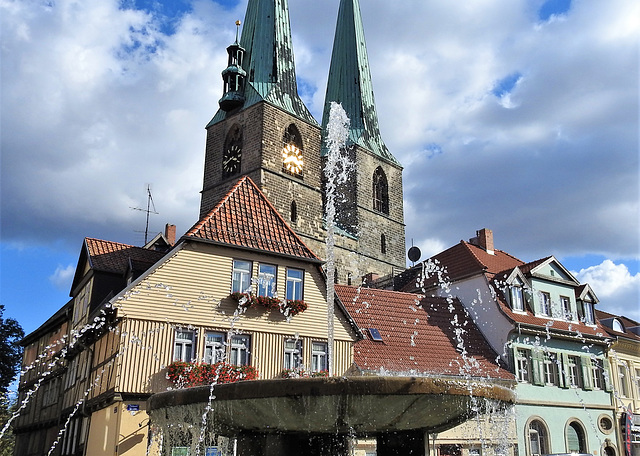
(237, 29)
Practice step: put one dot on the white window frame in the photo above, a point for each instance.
(622, 380)
(574, 371)
(180, 344)
(267, 281)
(292, 353)
(565, 304)
(597, 375)
(587, 308)
(214, 347)
(550, 369)
(295, 285)
(523, 365)
(517, 298)
(319, 356)
(240, 350)
(545, 303)
(241, 277)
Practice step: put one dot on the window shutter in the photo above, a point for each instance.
(587, 379)
(561, 381)
(537, 365)
(608, 383)
(564, 371)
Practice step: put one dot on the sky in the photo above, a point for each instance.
(516, 115)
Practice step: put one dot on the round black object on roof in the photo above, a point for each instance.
(414, 254)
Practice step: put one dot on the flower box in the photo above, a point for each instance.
(301, 372)
(289, 308)
(185, 375)
(244, 300)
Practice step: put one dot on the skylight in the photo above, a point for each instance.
(375, 334)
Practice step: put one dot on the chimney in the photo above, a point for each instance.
(484, 240)
(170, 233)
(368, 280)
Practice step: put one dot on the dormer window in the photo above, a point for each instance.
(545, 304)
(616, 325)
(566, 307)
(517, 298)
(587, 307)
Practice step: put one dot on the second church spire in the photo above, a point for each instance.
(350, 82)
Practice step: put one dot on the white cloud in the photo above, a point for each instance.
(99, 101)
(617, 289)
(62, 277)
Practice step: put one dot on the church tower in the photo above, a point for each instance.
(263, 129)
(371, 210)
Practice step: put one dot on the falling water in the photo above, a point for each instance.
(336, 173)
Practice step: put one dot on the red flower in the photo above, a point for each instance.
(186, 375)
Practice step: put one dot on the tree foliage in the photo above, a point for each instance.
(7, 441)
(10, 351)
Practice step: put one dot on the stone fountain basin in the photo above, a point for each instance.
(360, 405)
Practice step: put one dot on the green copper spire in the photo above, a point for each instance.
(268, 60)
(350, 82)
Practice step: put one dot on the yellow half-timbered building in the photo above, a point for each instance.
(191, 306)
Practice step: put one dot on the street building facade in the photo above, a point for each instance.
(541, 322)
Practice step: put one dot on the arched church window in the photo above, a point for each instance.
(380, 191)
(538, 438)
(232, 154)
(383, 244)
(576, 442)
(292, 161)
(294, 212)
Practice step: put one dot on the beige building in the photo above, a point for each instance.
(182, 309)
(624, 365)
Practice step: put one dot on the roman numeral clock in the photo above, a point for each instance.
(231, 160)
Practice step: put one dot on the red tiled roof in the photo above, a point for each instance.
(115, 257)
(526, 268)
(419, 335)
(246, 218)
(464, 260)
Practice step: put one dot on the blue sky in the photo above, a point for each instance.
(516, 115)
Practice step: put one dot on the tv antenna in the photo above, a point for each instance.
(148, 210)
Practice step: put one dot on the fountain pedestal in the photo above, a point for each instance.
(320, 415)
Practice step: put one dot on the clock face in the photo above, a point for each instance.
(231, 160)
(292, 159)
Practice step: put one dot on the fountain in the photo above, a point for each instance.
(319, 415)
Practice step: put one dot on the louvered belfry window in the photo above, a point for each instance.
(380, 191)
